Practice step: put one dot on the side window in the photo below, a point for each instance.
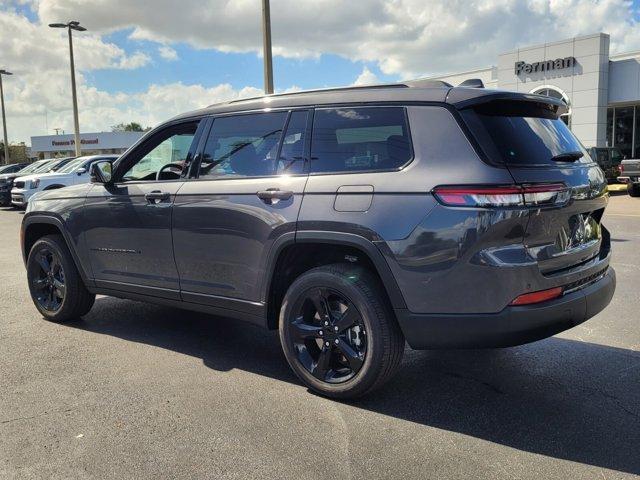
(243, 146)
(168, 151)
(603, 157)
(354, 139)
(291, 159)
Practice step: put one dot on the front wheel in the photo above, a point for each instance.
(56, 288)
(338, 333)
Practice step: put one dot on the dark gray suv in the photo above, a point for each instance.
(349, 219)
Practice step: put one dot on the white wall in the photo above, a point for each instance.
(586, 83)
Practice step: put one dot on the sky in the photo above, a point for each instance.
(146, 61)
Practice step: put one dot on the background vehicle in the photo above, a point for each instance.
(348, 219)
(608, 158)
(73, 172)
(7, 179)
(630, 174)
(13, 167)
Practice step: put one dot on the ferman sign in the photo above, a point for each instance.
(545, 65)
(83, 141)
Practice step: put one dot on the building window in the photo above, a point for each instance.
(610, 113)
(636, 129)
(623, 130)
(555, 92)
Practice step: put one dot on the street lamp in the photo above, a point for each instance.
(74, 25)
(4, 117)
(266, 47)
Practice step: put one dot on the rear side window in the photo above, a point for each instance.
(359, 139)
(522, 133)
(243, 146)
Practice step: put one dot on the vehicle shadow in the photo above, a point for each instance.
(561, 398)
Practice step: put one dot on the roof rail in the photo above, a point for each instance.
(320, 90)
(472, 83)
(427, 83)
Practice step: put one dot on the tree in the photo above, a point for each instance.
(128, 127)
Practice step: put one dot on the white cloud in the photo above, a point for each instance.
(367, 77)
(404, 38)
(408, 38)
(167, 53)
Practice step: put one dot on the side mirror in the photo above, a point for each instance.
(80, 171)
(101, 172)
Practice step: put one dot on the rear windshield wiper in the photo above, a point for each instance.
(567, 157)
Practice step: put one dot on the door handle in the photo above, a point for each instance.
(271, 194)
(156, 196)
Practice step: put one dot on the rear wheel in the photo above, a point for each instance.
(55, 284)
(633, 189)
(338, 333)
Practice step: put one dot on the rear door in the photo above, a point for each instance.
(538, 148)
(247, 194)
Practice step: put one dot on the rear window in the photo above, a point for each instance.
(359, 139)
(522, 133)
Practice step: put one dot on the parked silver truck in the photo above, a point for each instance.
(630, 174)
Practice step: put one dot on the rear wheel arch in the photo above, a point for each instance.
(292, 258)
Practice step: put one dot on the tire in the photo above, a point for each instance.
(633, 189)
(45, 292)
(374, 336)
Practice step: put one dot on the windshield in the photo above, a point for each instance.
(32, 168)
(72, 166)
(45, 167)
(523, 133)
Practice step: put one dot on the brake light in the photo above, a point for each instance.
(621, 168)
(551, 194)
(537, 297)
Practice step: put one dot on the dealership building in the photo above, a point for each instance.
(602, 91)
(50, 146)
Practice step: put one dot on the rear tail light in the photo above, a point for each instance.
(551, 194)
(537, 297)
(621, 168)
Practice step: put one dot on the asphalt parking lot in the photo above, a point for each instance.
(141, 391)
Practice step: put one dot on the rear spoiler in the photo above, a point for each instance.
(463, 98)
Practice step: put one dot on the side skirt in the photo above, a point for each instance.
(217, 310)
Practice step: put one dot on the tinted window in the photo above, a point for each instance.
(291, 159)
(243, 146)
(522, 133)
(353, 139)
(616, 157)
(171, 147)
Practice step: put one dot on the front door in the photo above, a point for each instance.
(248, 193)
(128, 223)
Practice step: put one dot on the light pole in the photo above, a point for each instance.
(266, 45)
(73, 25)
(4, 117)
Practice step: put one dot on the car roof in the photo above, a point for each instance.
(419, 91)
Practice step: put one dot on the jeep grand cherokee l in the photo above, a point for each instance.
(349, 219)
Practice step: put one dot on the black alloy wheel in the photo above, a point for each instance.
(49, 282)
(328, 335)
(55, 284)
(338, 332)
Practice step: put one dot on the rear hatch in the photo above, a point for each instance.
(540, 151)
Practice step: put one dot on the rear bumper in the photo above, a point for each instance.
(629, 179)
(512, 326)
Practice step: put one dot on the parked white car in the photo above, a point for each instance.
(74, 173)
